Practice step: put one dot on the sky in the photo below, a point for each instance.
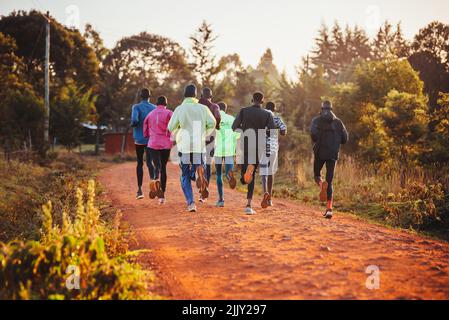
(246, 27)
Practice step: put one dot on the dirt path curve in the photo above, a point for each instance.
(286, 252)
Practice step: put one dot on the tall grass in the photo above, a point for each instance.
(409, 196)
(40, 244)
(44, 269)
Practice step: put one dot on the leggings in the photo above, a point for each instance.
(140, 150)
(229, 165)
(249, 194)
(330, 169)
(160, 159)
(209, 157)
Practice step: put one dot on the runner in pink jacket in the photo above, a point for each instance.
(159, 144)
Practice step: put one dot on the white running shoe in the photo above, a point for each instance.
(249, 211)
(328, 214)
(139, 195)
(161, 200)
(191, 208)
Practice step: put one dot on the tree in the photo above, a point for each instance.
(390, 43)
(70, 109)
(337, 49)
(72, 59)
(12, 68)
(21, 110)
(441, 117)
(204, 61)
(226, 79)
(382, 105)
(359, 45)
(267, 69)
(290, 95)
(142, 60)
(95, 41)
(324, 53)
(245, 86)
(315, 87)
(434, 38)
(22, 46)
(344, 96)
(406, 120)
(375, 142)
(376, 79)
(430, 54)
(438, 140)
(21, 121)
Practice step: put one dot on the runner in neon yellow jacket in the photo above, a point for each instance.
(225, 146)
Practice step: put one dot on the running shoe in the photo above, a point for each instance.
(249, 211)
(158, 186)
(202, 182)
(191, 208)
(152, 194)
(139, 195)
(323, 191)
(231, 180)
(152, 185)
(161, 200)
(328, 214)
(220, 204)
(266, 200)
(153, 191)
(248, 176)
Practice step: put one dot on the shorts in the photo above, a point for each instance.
(269, 165)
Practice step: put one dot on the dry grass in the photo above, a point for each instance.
(376, 194)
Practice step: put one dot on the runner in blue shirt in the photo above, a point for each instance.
(139, 112)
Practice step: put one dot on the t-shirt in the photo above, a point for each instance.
(273, 140)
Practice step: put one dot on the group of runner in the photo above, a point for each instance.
(204, 133)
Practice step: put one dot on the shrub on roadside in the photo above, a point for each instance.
(42, 269)
(23, 189)
(419, 206)
(24, 186)
(375, 193)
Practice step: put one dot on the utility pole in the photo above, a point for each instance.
(47, 82)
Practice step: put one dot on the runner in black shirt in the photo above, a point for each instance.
(255, 123)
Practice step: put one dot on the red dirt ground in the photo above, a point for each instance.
(285, 252)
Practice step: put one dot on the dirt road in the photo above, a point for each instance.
(286, 252)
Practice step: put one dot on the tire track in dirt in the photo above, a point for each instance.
(285, 252)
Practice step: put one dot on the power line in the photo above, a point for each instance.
(35, 44)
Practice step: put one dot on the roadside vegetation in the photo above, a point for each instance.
(55, 229)
(376, 195)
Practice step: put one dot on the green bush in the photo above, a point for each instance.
(40, 269)
(419, 206)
